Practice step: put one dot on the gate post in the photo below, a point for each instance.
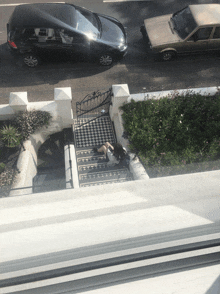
(120, 95)
(18, 101)
(63, 99)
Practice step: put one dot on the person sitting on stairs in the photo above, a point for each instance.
(114, 154)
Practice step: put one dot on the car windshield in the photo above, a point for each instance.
(88, 23)
(184, 22)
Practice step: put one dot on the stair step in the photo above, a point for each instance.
(86, 152)
(100, 166)
(102, 183)
(91, 159)
(104, 175)
(93, 168)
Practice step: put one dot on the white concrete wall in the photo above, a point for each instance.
(6, 112)
(71, 167)
(60, 108)
(27, 162)
(160, 94)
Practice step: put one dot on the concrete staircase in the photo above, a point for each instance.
(93, 169)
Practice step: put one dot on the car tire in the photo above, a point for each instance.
(31, 60)
(106, 59)
(168, 55)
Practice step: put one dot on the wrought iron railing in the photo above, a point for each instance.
(93, 106)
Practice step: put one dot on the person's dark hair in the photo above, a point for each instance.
(119, 151)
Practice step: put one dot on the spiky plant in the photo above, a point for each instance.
(10, 136)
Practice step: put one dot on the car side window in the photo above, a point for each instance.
(45, 34)
(216, 33)
(203, 33)
(17, 34)
(28, 34)
(69, 37)
(66, 37)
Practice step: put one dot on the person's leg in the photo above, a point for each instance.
(102, 149)
(107, 145)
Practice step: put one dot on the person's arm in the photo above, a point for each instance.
(107, 145)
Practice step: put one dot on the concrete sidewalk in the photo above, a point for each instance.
(80, 229)
(69, 219)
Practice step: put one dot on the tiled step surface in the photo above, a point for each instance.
(94, 133)
(93, 169)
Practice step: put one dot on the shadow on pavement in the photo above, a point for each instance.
(14, 73)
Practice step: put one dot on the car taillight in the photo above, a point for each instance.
(12, 44)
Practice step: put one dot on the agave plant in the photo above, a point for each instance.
(10, 136)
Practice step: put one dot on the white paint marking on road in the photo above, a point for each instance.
(16, 4)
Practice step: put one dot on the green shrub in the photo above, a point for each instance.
(176, 130)
(10, 136)
(7, 176)
(29, 122)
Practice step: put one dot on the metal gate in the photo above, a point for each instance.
(93, 106)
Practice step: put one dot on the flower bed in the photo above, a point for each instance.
(12, 135)
(8, 169)
(175, 135)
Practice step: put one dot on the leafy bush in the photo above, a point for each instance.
(10, 136)
(28, 122)
(7, 176)
(175, 130)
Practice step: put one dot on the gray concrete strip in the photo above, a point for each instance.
(203, 280)
(150, 251)
(160, 264)
(59, 257)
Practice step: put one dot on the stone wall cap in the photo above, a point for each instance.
(62, 93)
(18, 98)
(121, 90)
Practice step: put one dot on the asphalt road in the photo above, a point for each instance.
(137, 69)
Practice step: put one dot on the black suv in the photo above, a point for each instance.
(38, 31)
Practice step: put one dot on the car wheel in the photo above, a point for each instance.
(105, 59)
(31, 60)
(168, 55)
